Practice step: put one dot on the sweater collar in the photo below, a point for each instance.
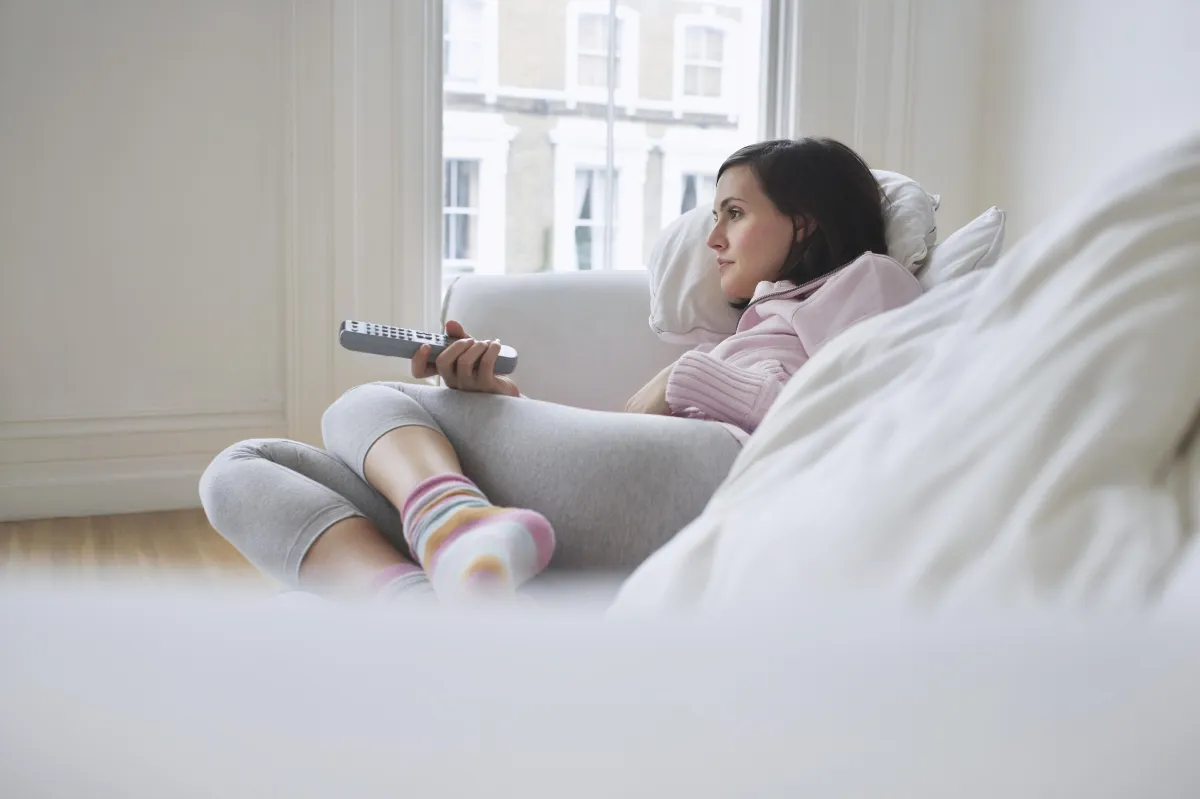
(786, 289)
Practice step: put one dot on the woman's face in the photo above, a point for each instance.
(751, 237)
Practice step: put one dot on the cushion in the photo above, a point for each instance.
(686, 303)
(976, 245)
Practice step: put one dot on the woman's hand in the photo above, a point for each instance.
(466, 365)
(652, 397)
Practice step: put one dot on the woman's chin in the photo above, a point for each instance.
(731, 290)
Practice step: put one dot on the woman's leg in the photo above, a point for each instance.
(301, 516)
(614, 486)
(463, 541)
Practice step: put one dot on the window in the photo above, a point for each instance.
(589, 26)
(593, 51)
(584, 197)
(703, 60)
(475, 153)
(689, 167)
(697, 190)
(460, 215)
(563, 171)
(592, 197)
(463, 41)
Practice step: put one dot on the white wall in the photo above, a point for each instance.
(141, 240)
(192, 194)
(1075, 87)
(900, 81)
(943, 131)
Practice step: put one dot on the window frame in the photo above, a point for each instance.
(364, 142)
(731, 30)
(462, 264)
(601, 222)
(483, 137)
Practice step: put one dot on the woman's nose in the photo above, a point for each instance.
(716, 239)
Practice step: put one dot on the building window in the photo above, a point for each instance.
(475, 150)
(465, 42)
(583, 194)
(460, 215)
(592, 193)
(697, 190)
(588, 41)
(593, 51)
(703, 60)
(689, 167)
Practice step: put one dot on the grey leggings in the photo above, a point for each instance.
(615, 486)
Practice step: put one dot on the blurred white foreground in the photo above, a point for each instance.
(148, 693)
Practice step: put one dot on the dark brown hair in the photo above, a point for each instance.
(822, 183)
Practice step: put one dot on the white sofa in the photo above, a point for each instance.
(583, 338)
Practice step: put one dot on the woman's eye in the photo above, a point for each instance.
(734, 213)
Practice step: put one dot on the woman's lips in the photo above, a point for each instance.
(722, 263)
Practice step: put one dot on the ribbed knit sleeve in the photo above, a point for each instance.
(723, 392)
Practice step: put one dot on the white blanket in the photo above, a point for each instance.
(1024, 435)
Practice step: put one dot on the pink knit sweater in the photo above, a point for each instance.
(736, 381)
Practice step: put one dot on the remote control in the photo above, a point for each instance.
(400, 342)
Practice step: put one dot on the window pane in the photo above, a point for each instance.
(462, 27)
(689, 194)
(714, 44)
(583, 247)
(460, 183)
(593, 71)
(544, 145)
(592, 194)
(459, 236)
(464, 193)
(593, 33)
(698, 190)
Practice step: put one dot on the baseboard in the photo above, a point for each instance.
(102, 494)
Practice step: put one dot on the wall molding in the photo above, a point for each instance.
(103, 486)
(163, 422)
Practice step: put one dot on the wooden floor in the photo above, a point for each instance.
(165, 545)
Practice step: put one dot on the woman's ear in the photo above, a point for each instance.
(803, 226)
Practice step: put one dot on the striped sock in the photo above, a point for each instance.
(468, 545)
(402, 581)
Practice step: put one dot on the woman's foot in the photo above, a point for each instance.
(469, 547)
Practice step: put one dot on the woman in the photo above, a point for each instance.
(467, 490)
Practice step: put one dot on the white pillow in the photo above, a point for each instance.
(686, 302)
(976, 245)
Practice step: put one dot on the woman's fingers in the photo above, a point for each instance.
(467, 363)
(446, 361)
(455, 330)
(421, 367)
(487, 364)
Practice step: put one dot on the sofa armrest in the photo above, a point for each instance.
(582, 338)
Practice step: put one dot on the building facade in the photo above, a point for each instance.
(526, 133)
